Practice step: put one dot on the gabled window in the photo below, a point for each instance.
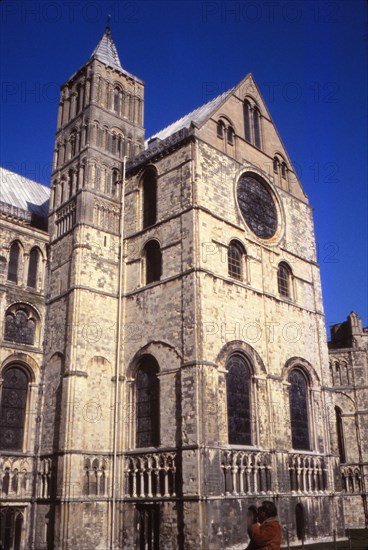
(284, 280)
(230, 135)
(252, 123)
(238, 380)
(220, 129)
(236, 254)
(257, 127)
(33, 267)
(149, 192)
(147, 403)
(247, 121)
(13, 263)
(299, 416)
(153, 258)
(13, 401)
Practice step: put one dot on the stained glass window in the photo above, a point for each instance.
(13, 408)
(298, 399)
(147, 404)
(19, 328)
(238, 401)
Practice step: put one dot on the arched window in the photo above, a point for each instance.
(13, 408)
(235, 256)
(147, 403)
(238, 401)
(298, 401)
(230, 135)
(284, 280)
(20, 325)
(11, 525)
(257, 127)
(276, 165)
(153, 259)
(149, 190)
(300, 521)
(247, 124)
(115, 176)
(33, 267)
(283, 170)
(13, 263)
(116, 100)
(220, 129)
(340, 434)
(78, 99)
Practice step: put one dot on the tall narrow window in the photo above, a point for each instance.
(238, 401)
(247, 124)
(13, 408)
(236, 255)
(298, 401)
(153, 258)
(220, 129)
(11, 525)
(117, 100)
(230, 135)
(340, 434)
(275, 165)
(33, 267)
(149, 190)
(284, 280)
(257, 127)
(283, 170)
(147, 403)
(300, 521)
(13, 263)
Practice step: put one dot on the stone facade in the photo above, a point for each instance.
(181, 373)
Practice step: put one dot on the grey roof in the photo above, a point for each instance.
(106, 51)
(24, 193)
(198, 116)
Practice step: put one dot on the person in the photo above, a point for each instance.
(265, 534)
(252, 514)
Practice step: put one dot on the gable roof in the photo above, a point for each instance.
(23, 193)
(198, 116)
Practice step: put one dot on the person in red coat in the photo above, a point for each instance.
(266, 533)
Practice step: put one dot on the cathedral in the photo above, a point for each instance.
(163, 354)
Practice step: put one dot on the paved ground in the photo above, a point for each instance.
(359, 541)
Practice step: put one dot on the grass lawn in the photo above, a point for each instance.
(359, 541)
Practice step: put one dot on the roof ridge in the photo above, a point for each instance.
(188, 116)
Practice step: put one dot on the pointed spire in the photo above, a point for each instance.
(106, 51)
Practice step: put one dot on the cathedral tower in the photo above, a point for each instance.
(100, 121)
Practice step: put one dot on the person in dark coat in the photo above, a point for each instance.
(265, 534)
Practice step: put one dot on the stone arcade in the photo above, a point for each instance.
(148, 398)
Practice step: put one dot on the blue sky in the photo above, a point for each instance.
(308, 57)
